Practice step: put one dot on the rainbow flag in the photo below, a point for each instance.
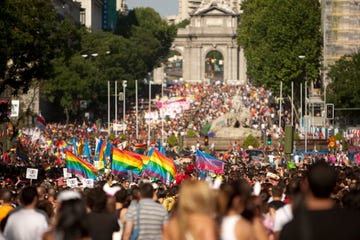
(160, 166)
(207, 162)
(140, 148)
(62, 145)
(47, 168)
(123, 161)
(76, 165)
(22, 152)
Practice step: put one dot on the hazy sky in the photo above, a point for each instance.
(163, 7)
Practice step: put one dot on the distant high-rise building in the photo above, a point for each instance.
(91, 14)
(341, 31)
(109, 17)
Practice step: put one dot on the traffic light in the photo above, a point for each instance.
(206, 141)
(269, 139)
(329, 108)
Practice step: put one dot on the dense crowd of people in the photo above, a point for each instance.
(317, 197)
(314, 201)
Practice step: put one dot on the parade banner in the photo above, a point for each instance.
(172, 107)
(151, 116)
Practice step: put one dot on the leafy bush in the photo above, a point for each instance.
(339, 137)
(250, 140)
(191, 133)
(172, 141)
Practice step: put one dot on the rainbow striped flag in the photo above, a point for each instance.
(161, 167)
(22, 152)
(123, 161)
(207, 162)
(47, 168)
(76, 165)
(140, 148)
(62, 145)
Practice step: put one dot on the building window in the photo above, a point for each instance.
(82, 17)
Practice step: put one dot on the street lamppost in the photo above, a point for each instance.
(136, 110)
(108, 83)
(116, 109)
(305, 97)
(124, 84)
(149, 130)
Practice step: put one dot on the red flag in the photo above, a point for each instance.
(40, 122)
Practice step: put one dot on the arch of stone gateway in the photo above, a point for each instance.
(213, 27)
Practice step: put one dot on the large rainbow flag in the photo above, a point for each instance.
(123, 161)
(76, 165)
(160, 166)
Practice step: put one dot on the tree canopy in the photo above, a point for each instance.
(274, 34)
(344, 89)
(31, 36)
(142, 43)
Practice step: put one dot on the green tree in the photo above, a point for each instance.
(250, 140)
(150, 34)
(344, 89)
(183, 23)
(31, 37)
(86, 74)
(141, 45)
(172, 141)
(274, 35)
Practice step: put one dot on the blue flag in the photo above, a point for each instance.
(87, 151)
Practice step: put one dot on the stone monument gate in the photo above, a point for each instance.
(212, 28)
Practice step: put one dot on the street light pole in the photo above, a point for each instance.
(149, 112)
(136, 109)
(325, 89)
(280, 106)
(108, 107)
(124, 84)
(305, 97)
(116, 109)
(292, 103)
(162, 115)
(94, 55)
(306, 119)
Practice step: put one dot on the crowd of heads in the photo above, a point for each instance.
(249, 187)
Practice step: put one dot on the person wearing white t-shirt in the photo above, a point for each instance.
(26, 222)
